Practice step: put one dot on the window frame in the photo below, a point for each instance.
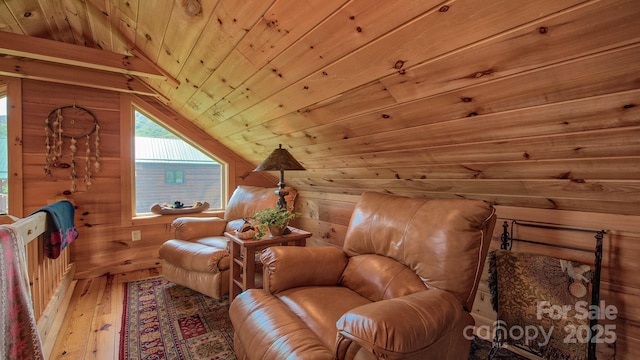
(3, 94)
(129, 105)
(12, 89)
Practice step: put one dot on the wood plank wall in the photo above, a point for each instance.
(522, 115)
(104, 245)
(532, 106)
(327, 216)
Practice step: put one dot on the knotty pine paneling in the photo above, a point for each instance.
(611, 207)
(500, 91)
(417, 94)
(177, 45)
(104, 245)
(33, 23)
(469, 108)
(364, 99)
(602, 190)
(284, 23)
(150, 27)
(351, 27)
(412, 43)
(201, 76)
(535, 102)
(585, 145)
(592, 113)
(101, 27)
(546, 41)
(624, 168)
(325, 215)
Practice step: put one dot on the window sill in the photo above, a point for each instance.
(150, 219)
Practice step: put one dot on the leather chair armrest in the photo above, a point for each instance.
(192, 256)
(189, 228)
(397, 327)
(286, 267)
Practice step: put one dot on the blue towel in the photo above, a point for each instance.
(61, 230)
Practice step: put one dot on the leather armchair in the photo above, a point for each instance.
(401, 287)
(198, 255)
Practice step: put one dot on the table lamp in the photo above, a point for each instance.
(280, 160)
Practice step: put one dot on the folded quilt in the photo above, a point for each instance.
(61, 230)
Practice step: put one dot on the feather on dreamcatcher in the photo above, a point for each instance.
(72, 123)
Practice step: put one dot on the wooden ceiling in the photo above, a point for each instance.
(518, 102)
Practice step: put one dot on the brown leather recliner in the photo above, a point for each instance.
(198, 256)
(402, 286)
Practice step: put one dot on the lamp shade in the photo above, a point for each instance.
(279, 159)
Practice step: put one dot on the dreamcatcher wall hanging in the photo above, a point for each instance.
(72, 124)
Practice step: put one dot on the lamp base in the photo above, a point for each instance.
(282, 203)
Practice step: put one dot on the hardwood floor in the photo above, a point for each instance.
(91, 326)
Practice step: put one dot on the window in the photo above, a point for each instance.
(168, 169)
(174, 177)
(4, 156)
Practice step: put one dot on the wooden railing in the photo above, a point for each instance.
(50, 279)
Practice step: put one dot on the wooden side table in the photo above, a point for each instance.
(242, 271)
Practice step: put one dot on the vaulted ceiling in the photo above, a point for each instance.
(518, 102)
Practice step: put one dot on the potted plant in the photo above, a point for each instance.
(276, 220)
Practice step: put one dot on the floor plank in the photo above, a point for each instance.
(91, 327)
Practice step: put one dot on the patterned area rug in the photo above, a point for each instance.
(162, 320)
